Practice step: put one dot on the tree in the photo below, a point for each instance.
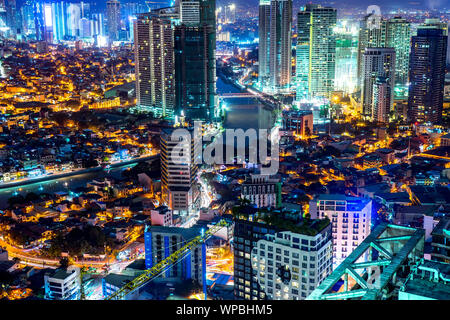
(19, 199)
(31, 196)
(60, 118)
(64, 262)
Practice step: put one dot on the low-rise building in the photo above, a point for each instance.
(63, 284)
(262, 191)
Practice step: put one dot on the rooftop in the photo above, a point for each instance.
(282, 219)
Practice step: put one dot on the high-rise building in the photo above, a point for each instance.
(60, 20)
(190, 12)
(181, 72)
(161, 242)
(350, 219)
(11, 17)
(154, 56)
(427, 72)
(262, 191)
(316, 50)
(370, 36)
(346, 57)
(194, 90)
(264, 42)
(179, 173)
(3, 19)
(113, 18)
(97, 24)
(280, 51)
(39, 22)
(230, 13)
(382, 99)
(74, 14)
(378, 73)
(398, 36)
(28, 23)
(279, 255)
(208, 19)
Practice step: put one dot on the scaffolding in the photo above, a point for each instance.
(376, 266)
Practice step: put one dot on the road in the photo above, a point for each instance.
(22, 182)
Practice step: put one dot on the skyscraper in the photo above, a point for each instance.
(192, 83)
(208, 19)
(280, 51)
(190, 12)
(378, 73)
(113, 17)
(230, 13)
(179, 173)
(264, 42)
(346, 65)
(370, 36)
(398, 36)
(427, 72)
(11, 17)
(154, 56)
(181, 71)
(316, 50)
(60, 20)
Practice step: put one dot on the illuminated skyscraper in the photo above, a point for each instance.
(370, 36)
(378, 83)
(264, 41)
(154, 56)
(38, 13)
(316, 50)
(179, 188)
(113, 17)
(399, 37)
(427, 72)
(73, 17)
(28, 23)
(350, 219)
(175, 74)
(60, 20)
(230, 13)
(280, 51)
(11, 17)
(208, 21)
(278, 255)
(193, 90)
(346, 57)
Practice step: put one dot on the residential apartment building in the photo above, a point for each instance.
(350, 219)
(262, 191)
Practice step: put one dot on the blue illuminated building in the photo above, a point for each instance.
(161, 242)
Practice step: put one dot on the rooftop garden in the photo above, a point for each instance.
(280, 218)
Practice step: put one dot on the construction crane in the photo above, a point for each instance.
(167, 263)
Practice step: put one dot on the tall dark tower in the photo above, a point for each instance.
(192, 71)
(264, 41)
(427, 72)
(208, 20)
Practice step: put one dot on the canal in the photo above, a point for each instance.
(242, 113)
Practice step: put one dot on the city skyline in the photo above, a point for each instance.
(221, 150)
